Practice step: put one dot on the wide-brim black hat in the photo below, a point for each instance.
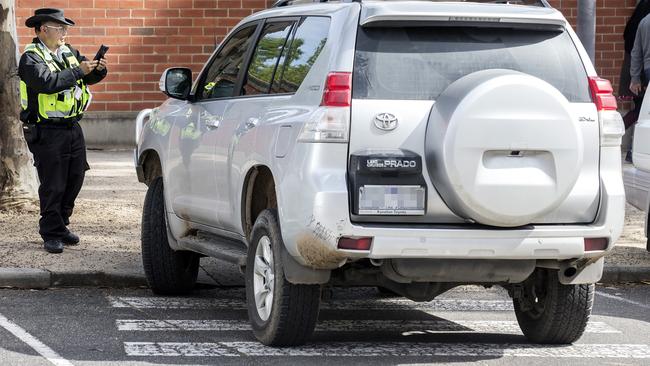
(47, 14)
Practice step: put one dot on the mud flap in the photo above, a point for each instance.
(298, 274)
(589, 274)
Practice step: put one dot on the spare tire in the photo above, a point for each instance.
(502, 147)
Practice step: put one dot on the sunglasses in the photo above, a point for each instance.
(62, 30)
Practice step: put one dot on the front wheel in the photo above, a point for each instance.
(550, 312)
(168, 272)
(281, 313)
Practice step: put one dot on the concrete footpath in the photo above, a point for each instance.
(107, 219)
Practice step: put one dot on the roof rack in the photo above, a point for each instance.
(541, 3)
(296, 2)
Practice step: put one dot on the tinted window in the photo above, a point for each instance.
(420, 62)
(222, 75)
(265, 59)
(309, 40)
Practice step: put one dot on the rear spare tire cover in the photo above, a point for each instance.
(502, 147)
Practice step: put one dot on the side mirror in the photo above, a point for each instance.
(176, 82)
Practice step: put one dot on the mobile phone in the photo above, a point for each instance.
(101, 52)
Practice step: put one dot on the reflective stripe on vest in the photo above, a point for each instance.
(62, 104)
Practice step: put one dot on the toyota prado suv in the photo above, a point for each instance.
(414, 146)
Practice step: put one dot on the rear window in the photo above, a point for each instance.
(419, 63)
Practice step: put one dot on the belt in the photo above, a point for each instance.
(57, 125)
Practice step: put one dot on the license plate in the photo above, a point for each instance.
(391, 200)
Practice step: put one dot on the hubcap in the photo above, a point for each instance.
(263, 278)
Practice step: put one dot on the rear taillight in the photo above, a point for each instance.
(611, 122)
(331, 121)
(338, 90)
(601, 92)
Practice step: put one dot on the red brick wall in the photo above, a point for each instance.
(147, 36)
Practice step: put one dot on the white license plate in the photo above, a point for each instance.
(391, 200)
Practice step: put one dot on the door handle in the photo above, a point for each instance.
(252, 122)
(212, 123)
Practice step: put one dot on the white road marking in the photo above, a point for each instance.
(395, 349)
(406, 327)
(603, 294)
(372, 304)
(33, 342)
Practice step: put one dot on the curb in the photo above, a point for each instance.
(32, 278)
(27, 278)
(616, 274)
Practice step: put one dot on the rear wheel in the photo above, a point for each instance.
(550, 312)
(168, 272)
(281, 313)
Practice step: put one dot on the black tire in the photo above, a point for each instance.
(561, 312)
(168, 272)
(294, 308)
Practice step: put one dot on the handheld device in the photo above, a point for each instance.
(101, 52)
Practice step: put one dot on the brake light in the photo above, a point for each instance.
(601, 92)
(331, 121)
(355, 243)
(338, 90)
(592, 244)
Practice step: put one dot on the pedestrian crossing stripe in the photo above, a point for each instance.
(406, 327)
(388, 349)
(382, 304)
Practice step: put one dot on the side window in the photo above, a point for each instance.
(307, 44)
(265, 59)
(222, 75)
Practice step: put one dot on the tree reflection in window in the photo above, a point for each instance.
(265, 59)
(308, 42)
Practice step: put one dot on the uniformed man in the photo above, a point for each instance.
(54, 94)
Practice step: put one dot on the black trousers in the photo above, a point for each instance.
(60, 160)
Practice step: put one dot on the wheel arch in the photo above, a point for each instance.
(258, 194)
(151, 165)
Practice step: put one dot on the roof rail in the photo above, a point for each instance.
(543, 3)
(295, 2)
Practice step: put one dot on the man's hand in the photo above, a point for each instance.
(87, 66)
(102, 64)
(635, 88)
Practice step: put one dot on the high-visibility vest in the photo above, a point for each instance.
(62, 105)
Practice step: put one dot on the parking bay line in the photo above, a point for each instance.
(406, 327)
(38, 346)
(370, 304)
(396, 349)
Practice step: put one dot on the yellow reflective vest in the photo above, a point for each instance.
(66, 104)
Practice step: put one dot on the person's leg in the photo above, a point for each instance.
(76, 172)
(51, 160)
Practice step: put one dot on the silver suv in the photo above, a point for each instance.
(410, 145)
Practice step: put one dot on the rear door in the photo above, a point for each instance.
(401, 69)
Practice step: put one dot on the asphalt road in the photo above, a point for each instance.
(470, 325)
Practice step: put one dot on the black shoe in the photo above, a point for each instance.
(54, 246)
(70, 239)
(628, 157)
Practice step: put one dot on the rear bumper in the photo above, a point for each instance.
(315, 244)
(316, 214)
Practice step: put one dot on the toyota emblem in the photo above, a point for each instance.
(386, 121)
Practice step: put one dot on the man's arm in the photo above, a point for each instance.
(637, 56)
(37, 75)
(93, 77)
